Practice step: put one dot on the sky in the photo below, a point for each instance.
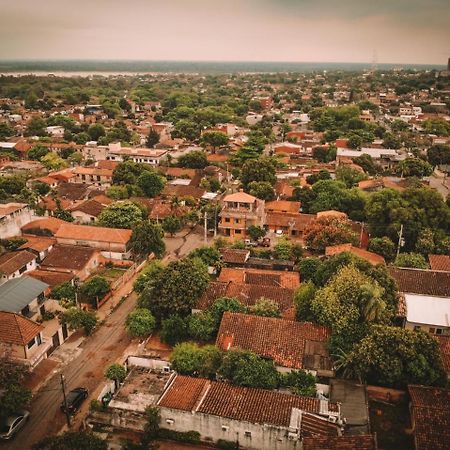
(390, 31)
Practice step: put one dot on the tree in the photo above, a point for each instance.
(174, 329)
(384, 247)
(36, 127)
(193, 160)
(147, 237)
(351, 177)
(426, 242)
(5, 130)
(391, 141)
(64, 291)
(177, 288)
(151, 183)
(140, 323)
(124, 104)
(37, 152)
(256, 232)
(414, 167)
(262, 169)
(186, 358)
(172, 224)
(283, 249)
(303, 301)
(151, 427)
(124, 214)
(438, 154)
(324, 154)
(214, 139)
(117, 373)
(148, 275)
(299, 382)
(94, 289)
(366, 162)
(327, 231)
(245, 368)
(355, 141)
(53, 162)
(202, 326)
(261, 189)
(223, 304)
(41, 188)
(79, 318)
(74, 440)
(127, 172)
(414, 260)
(265, 307)
(322, 175)
(209, 255)
(96, 131)
(152, 138)
(396, 357)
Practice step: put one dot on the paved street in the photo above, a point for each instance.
(103, 348)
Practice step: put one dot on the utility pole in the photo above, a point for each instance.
(205, 218)
(66, 410)
(215, 219)
(401, 241)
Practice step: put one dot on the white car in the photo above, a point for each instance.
(13, 424)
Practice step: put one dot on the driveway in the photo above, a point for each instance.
(104, 347)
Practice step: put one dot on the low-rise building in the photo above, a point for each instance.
(14, 264)
(13, 216)
(276, 278)
(371, 257)
(93, 176)
(139, 155)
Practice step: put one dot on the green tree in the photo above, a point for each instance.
(261, 189)
(96, 131)
(177, 288)
(94, 289)
(384, 247)
(202, 326)
(127, 172)
(303, 301)
(152, 138)
(426, 242)
(78, 318)
(265, 307)
(209, 255)
(64, 291)
(214, 139)
(140, 323)
(53, 162)
(299, 382)
(324, 154)
(256, 232)
(172, 224)
(438, 154)
(117, 373)
(193, 160)
(151, 183)
(186, 358)
(322, 175)
(5, 130)
(414, 167)
(367, 163)
(223, 304)
(36, 127)
(151, 427)
(414, 260)
(174, 330)
(283, 249)
(124, 214)
(72, 440)
(351, 177)
(37, 152)
(148, 275)
(147, 237)
(262, 170)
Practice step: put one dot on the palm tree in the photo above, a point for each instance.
(372, 305)
(343, 363)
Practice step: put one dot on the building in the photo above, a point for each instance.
(290, 224)
(253, 418)
(21, 339)
(13, 216)
(89, 210)
(282, 206)
(280, 278)
(139, 155)
(430, 417)
(239, 212)
(39, 245)
(387, 158)
(233, 257)
(371, 257)
(14, 264)
(93, 176)
(291, 345)
(25, 296)
(112, 242)
(439, 262)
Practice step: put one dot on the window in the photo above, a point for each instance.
(31, 343)
(237, 231)
(236, 220)
(439, 330)
(248, 434)
(170, 421)
(416, 327)
(227, 219)
(225, 428)
(39, 339)
(432, 330)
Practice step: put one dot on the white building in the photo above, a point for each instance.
(139, 155)
(13, 216)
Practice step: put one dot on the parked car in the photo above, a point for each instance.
(13, 424)
(250, 243)
(74, 399)
(265, 242)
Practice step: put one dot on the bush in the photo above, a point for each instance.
(202, 326)
(299, 382)
(222, 444)
(189, 437)
(414, 260)
(174, 329)
(265, 307)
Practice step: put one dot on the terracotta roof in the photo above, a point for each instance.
(13, 261)
(50, 277)
(283, 206)
(72, 191)
(423, 282)
(284, 341)
(331, 213)
(235, 402)
(90, 233)
(234, 255)
(241, 197)
(284, 189)
(161, 210)
(371, 257)
(178, 172)
(444, 344)
(94, 171)
(37, 243)
(107, 164)
(9, 208)
(68, 257)
(277, 278)
(431, 417)
(298, 222)
(16, 329)
(248, 294)
(439, 262)
(182, 191)
(90, 207)
(51, 224)
(358, 442)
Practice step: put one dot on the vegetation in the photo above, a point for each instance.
(140, 323)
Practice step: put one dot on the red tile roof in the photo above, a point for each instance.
(90, 233)
(241, 197)
(16, 329)
(444, 344)
(51, 224)
(422, 282)
(359, 442)
(37, 243)
(277, 278)
(371, 257)
(235, 402)
(13, 261)
(298, 222)
(439, 262)
(68, 257)
(431, 417)
(284, 341)
(51, 278)
(283, 206)
(234, 256)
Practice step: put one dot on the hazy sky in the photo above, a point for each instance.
(399, 31)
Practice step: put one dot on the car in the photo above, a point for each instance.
(74, 399)
(13, 424)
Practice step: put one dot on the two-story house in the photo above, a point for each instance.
(14, 264)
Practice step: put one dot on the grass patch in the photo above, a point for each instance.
(111, 274)
(391, 422)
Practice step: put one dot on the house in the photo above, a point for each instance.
(439, 262)
(112, 242)
(51, 278)
(13, 216)
(24, 296)
(387, 158)
(430, 417)
(43, 227)
(89, 210)
(233, 257)
(248, 294)
(139, 155)
(289, 224)
(93, 176)
(14, 264)
(77, 260)
(253, 418)
(290, 344)
(39, 245)
(280, 278)
(21, 339)
(371, 257)
(349, 442)
(239, 212)
(282, 206)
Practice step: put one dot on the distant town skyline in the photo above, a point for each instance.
(388, 31)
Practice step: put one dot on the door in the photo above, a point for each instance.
(55, 344)
(65, 332)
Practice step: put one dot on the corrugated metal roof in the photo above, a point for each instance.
(17, 293)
